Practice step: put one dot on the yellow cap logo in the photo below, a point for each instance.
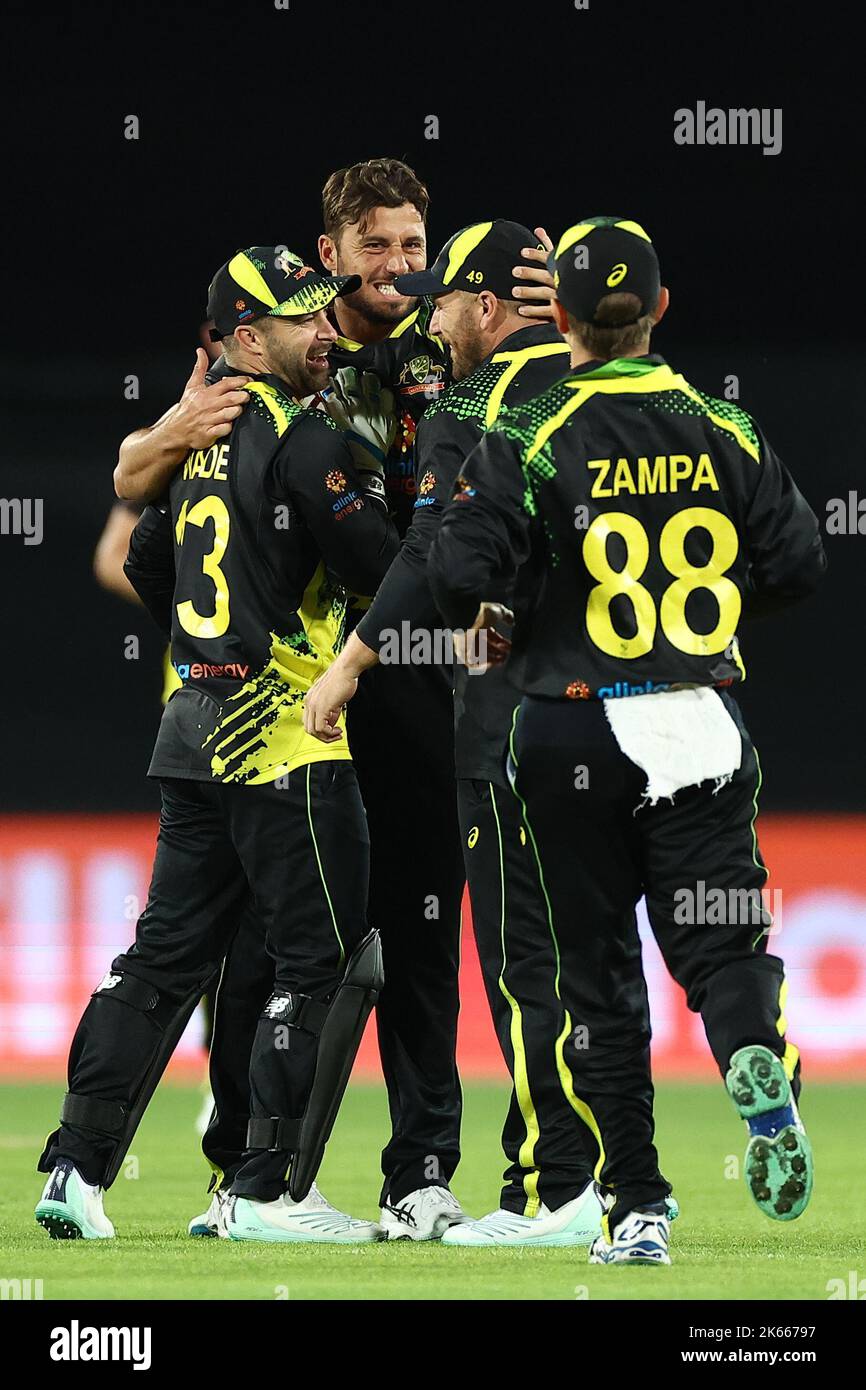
(472, 838)
(618, 273)
(522, 836)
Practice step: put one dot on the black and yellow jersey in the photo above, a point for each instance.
(415, 365)
(519, 368)
(646, 517)
(268, 528)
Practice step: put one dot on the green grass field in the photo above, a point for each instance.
(722, 1247)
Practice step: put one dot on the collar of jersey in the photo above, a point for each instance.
(221, 369)
(349, 344)
(619, 366)
(535, 335)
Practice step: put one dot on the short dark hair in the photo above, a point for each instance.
(613, 335)
(351, 193)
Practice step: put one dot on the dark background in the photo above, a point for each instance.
(547, 114)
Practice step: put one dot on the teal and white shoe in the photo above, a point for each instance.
(578, 1222)
(213, 1221)
(313, 1220)
(70, 1208)
(641, 1238)
(778, 1166)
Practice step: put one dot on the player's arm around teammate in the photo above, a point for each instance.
(249, 804)
(205, 412)
(670, 779)
(498, 358)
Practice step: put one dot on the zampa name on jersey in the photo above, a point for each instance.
(665, 473)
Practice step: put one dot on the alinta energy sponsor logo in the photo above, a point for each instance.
(335, 481)
(203, 671)
(735, 126)
(622, 689)
(347, 504)
(463, 490)
(77, 1343)
(425, 488)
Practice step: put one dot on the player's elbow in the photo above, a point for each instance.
(124, 488)
(364, 571)
(128, 482)
(773, 591)
(456, 596)
(364, 576)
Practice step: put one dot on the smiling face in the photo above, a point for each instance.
(457, 321)
(296, 350)
(387, 243)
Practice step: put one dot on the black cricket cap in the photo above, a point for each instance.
(270, 281)
(604, 255)
(480, 257)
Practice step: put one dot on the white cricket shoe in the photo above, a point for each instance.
(578, 1222)
(313, 1220)
(641, 1238)
(425, 1214)
(213, 1221)
(70, 1208)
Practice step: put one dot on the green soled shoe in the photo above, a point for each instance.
(313, 1221)
(578, 1222)
(778, 1165)
(70, 1208)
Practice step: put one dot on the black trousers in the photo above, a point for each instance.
(401, 733)
(400, 727)
(598, 854)
(544, 1134)
(300, 850)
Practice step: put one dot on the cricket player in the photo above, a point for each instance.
(387, 367)
(499, 359)
(268, 529)
(645, 519)
(109, 560)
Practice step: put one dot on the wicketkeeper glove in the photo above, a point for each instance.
(364, 410)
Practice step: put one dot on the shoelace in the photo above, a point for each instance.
(445, 1196)
(402, 1213)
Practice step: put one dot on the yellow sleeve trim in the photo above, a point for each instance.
(270, 399)
(517, 360)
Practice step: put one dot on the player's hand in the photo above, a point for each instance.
(205, 413)
(537, 280)
(481, 646)
(364, 410)
(324, 703)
